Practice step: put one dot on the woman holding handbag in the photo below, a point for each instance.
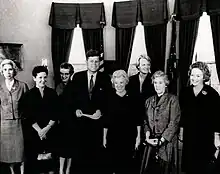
(41, 103)
(161, 129)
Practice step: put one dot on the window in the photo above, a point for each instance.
(204, 50)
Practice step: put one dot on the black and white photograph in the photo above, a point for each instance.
(109, 87)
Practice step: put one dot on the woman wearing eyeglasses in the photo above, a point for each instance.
(65, 122)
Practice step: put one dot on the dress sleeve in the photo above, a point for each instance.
(107, 115)
(138, 110)
(182, 101)
(146, 120)
(173, 125)
(55, 110)
(214, 104)
(21, 103)
(107, 93)
(26, 107)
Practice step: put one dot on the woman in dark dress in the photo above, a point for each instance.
(199, 105)
(161, 129)
(122, 126)
(41, 112)
(65, 122)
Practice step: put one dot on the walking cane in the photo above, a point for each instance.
(146, 157)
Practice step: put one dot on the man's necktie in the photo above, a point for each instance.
(91, 84)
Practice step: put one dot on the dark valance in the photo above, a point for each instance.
(63, 15)
(153, 12)
(188, 9)
(213, 7)
(92, 15)
(125, 14)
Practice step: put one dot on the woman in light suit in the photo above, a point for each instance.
(11, 134)
(161, 128)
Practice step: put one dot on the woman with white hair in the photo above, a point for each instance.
(122, 126)
(161, 129)
(11, 135)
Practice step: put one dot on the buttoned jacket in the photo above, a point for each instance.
(163, 118)
(10, 99)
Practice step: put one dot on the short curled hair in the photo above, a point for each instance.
(142, 56)
(203, 67)
(92, 53)
(160, 74)
(39, 69)
(69, 66)
(10, 62)
(118, 74)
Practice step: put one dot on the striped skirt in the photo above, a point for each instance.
(11, 141)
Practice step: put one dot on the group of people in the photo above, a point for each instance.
(96, 123)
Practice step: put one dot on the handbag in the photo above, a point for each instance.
(44, 156)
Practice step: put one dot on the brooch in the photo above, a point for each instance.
(204, 92)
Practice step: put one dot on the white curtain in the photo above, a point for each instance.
(77, 52)
(138, 48)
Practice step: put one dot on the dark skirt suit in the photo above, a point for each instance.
(162, 120)
(40, 110)
(121, 121)
(65, 126)
(199, 119)
(11, 133)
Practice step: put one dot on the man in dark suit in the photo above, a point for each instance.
(86, 97)
(141, 87)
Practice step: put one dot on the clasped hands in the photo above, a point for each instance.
(43, 132)
(94, 116)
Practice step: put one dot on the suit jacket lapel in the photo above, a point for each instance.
(160, 102)
(96, 81)
(162, 99)
(13, 88)
(154, 101)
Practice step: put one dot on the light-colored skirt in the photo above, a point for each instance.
(11, 141)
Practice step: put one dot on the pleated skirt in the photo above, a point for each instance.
(11, 141)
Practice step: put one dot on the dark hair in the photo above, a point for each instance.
(69, 66)
(203, 67)
(92, 53)
(39, 69)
